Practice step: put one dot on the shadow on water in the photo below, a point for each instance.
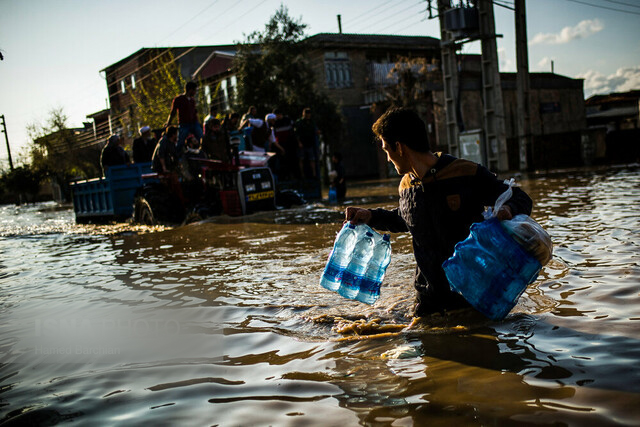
(272, 347)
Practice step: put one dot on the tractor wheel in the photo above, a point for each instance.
(143, 212)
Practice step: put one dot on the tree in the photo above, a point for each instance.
(54, 151)
(22, 182)
(160, 83)
(273, 72)
(414, 78)
(413, 82)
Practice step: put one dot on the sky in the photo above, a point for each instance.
(54, 49)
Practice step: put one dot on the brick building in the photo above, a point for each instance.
(354, 71)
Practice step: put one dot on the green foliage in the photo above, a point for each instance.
(21, 181)
(160, 83)
(273, 71)
(54, 149)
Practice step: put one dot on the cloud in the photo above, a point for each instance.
(583, 29)
(623, 80)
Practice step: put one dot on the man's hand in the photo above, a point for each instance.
(504, 213)
(357, 215)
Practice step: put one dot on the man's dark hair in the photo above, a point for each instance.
(215, 122)
(190, 85)
(402, 125)
(338, 156)
(213, 109)
(277, 111)
(234, 116)
(306, 110)
(171, 130)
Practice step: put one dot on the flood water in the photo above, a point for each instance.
(223, 322)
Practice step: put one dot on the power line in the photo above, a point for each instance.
(189, 20)
(623, 3)
(604, 7)
(409, 26)
(397, 22)
(395, 14)
(505, 5)
(359, 18)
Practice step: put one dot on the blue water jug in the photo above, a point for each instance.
(490, 269)
(333, 195)
(352, 276)
(370, 285)
(339, 257)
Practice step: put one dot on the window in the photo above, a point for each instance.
(133, 81)
(337, 70)
(123, 86)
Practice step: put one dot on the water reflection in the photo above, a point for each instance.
(260, 342)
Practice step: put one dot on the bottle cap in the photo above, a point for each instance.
(386, 237)
(351, 225)
(370, 234)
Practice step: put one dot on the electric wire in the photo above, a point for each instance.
(391, 16)
(604, 7)
(623, 3)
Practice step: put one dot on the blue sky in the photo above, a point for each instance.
(54, 49)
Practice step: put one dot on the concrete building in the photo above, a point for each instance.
(614, 126)
(355, 71)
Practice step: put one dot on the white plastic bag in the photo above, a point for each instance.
(526, 231)
(531, 236)
(491, 212)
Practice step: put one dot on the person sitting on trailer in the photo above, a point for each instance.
(214, 143)
(165, 156)
(113, 154)
(191, 166)
(144, 146)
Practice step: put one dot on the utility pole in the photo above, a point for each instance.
(523, 84)
(495, 133)
(450, 79)
(6, 138)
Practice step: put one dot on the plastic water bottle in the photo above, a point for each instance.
(352, 276)
(490, 269)
(339, 257)
(373, 275)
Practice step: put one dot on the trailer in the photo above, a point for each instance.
(135, 192)
(109, 198)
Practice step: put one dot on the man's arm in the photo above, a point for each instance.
(172, 114)
(380, 219)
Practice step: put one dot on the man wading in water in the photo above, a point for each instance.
(440, 197)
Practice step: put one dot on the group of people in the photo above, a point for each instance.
(295, 144)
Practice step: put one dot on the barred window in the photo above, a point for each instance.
(337, 70)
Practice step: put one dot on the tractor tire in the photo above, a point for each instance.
(143, 212)
(157, 207)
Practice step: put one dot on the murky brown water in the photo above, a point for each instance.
(259, 342)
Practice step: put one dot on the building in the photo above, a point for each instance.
(361, 73)
(614, 126)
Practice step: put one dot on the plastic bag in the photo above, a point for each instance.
(531, 236)
(491, 212)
